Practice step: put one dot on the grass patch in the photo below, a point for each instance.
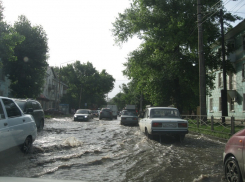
(219, 130)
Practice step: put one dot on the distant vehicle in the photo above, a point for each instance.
(106, 113)
(163, 121)
(114, 110)
(83, 115)
(95, 113)
(53, 111)
(129, 117)
(34, 108)
(16, 128)
(233, 157)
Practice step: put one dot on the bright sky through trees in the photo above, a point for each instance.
(80, 30)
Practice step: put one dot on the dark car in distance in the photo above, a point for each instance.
(83, 115)
(129, 117)
(106, 113)
(34, 108)
(233, 157)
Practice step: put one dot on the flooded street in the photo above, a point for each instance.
(106, 151)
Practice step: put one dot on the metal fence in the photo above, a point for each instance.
(200, 123)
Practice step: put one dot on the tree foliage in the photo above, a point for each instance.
(85, 85)
(27, 68)
(162, 65)
(9, 38)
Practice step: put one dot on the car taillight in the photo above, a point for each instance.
(156, 124)
(182, 125)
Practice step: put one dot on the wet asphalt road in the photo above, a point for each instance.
(103, 150)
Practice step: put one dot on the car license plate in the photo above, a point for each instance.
(128, 118)
(169, 125)
(80, 117)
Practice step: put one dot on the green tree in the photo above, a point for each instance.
(162, 65)
(27, 71)
(9, 38)
(85, 85)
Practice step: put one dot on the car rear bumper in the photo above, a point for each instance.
(173, 132)
(129, 122)
(79, 119)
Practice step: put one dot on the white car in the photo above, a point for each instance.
(163, 121)
(16, 128)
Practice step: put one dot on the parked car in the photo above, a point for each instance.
(83, 115)
(106, 113)
(163, 121)
(129, 117)
(16, 128)
(233, 157)
(33, 107)
(53, 111)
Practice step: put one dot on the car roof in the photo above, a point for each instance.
(162, 108)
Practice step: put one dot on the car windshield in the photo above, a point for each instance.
(82, 112)
(129, 113)
(164, 113)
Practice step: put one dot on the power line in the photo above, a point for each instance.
(234, 7)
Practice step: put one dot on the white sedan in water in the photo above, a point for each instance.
(163, 121)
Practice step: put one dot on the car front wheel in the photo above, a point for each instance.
(232, 170)
(27, 145)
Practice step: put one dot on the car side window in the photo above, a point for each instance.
(2, 115)
(11, 108)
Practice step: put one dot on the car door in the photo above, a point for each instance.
(16, 122)
(5, 137)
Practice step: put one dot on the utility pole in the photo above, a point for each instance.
(202, 70)
(224, 91)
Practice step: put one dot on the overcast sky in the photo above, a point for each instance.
(80, 30)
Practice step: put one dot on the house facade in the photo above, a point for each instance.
(53, 90)
(235, 82)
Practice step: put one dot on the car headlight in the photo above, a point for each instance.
(75, 116)
(85, 116)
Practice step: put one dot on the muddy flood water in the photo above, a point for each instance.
(106, 151)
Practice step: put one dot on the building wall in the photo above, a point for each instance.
(238, 60)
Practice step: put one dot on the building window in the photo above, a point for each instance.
(211, 105)
(220, 79)
(231, 82)
(220, 104)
